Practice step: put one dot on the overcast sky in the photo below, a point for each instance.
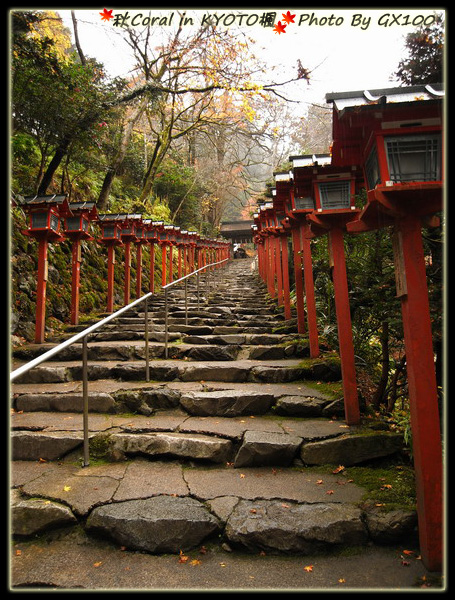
(349, 49)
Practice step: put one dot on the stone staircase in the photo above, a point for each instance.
(222, 444)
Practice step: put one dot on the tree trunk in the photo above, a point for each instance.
(60, 152)
(103, 198)
(380, 391)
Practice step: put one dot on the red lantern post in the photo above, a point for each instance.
(44, 225)
(397, 135)
(77, 229)
(111, 237)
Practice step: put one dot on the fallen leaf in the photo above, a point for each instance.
(341, 580)
(285, 505)
(242, 476)
(202, 550)
(222, 564)
(183, 558)
(253, 511)
(308, 568)
(319, 481)
(66, 488)
(42, 460)
(329, 492)
(18, 552)
(195, 562)
(97, 564)
(338, 469)
(408, 552)
(386, 486)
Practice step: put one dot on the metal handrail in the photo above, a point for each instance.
(185, 279)
(72, 340)
(83, 335)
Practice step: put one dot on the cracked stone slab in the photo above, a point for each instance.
(232, 428)
(33, 445)
(159, 524)
(262, 448)
(143, 479)
(269, 483)
(226, 403)
(30, 516)
(64, 485)
(289, 527)
(189, 445)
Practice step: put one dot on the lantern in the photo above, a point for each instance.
(45, 213)
(111, 237)
(396, 134)
(77, 228)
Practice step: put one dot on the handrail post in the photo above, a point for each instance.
(85, 401)
(186, 301)
(146, 318)
(197, 286)
(165, 324)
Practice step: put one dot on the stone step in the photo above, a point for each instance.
(244, 442)
(164, 507)
(111, 347)
(219, 399)
(272, 371)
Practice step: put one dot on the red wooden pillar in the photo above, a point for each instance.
(41, 291)
(138, 269)
(309, 291)
(179, 261)
(426, 436)
(285, 274)
(75, 280)
(278, 271)
(298, 276)
(127, 282)
(270, 259)
(171, 272)
(110, 277)
(152, 268)
(163, 264)
(340, 284)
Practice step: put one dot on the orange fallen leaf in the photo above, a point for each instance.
(341, 580)
(18, 552)
(253, 511)
(308, 568)
(319, 481)
(242, 476)
(195, 562)
(408, 552)
(97, 564)
(329, 492)
(338, 469)
(183, 558)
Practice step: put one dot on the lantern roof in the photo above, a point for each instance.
(59, 200)
(308, 160)
(342, 100)
(358, 114)
(84, 207)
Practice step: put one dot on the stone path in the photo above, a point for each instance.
(221, 447)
